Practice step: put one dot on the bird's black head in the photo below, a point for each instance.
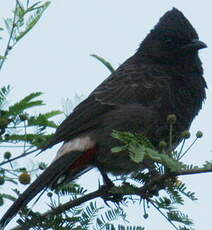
(171, 39)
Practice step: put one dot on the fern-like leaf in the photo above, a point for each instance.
(42, 119)
(179, 217)
(26, 103)
(104, 221)
(88, 215)
(4, 91)
(69, 189)
(122, 227)
(33, 19)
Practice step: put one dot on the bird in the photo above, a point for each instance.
(164, 76)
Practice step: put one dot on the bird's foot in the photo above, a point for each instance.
(106, 187)
(110, 196)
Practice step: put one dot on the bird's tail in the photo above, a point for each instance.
(49, 177)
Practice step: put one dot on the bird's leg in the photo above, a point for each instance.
(153, 191)
(109, 184)
(151, 168)
(106, 179)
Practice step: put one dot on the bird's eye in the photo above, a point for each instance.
(169, 42)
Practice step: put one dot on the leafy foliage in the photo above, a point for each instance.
(18, 126)
(179, 217)
(175, 190)
(70, 189)
(88, 216)
(25, 103)
(208, 165)
(25, 17)
(36, 11)
(121, 227)
(141, 149)
(4, 91)
(104, 221)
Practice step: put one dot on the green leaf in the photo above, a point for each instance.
(31, 138)
(137, 153)
(8, 24)
(69, 189)
(88, 214)
(104, 62)
(174, 194)
(25, 103)
(52, 113)
(181, 187)
(179, 217)
(208, 165)
(31, 96)
(20, 12)
(117, 149)
(124, 227)
(9, 197)
(170, 163)
(4, 91)
(34, 6)
(140, 148)
(33, 19)
(127, 137)
(105, 219)
(42, 119)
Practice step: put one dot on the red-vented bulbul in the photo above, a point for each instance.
(163, 77)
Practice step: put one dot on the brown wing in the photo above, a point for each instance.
(130, 83)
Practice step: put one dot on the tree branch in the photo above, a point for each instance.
(144, 192)
(193, 171)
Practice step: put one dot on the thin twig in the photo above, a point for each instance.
(181, 149)
(20, 156)
(158, 209)
(193, 171)
(8, 47)
(25, 133)
(170, 136)
(142, 192)
(188, 149)
(14, 146)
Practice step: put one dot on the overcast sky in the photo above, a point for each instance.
(54, 59)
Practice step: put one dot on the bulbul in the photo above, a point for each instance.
(163, 77)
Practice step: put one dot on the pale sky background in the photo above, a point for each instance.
(54, 59)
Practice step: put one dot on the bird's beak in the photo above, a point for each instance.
(195, 44)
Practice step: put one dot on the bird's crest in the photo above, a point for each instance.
(175, 22)
(172, 24)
